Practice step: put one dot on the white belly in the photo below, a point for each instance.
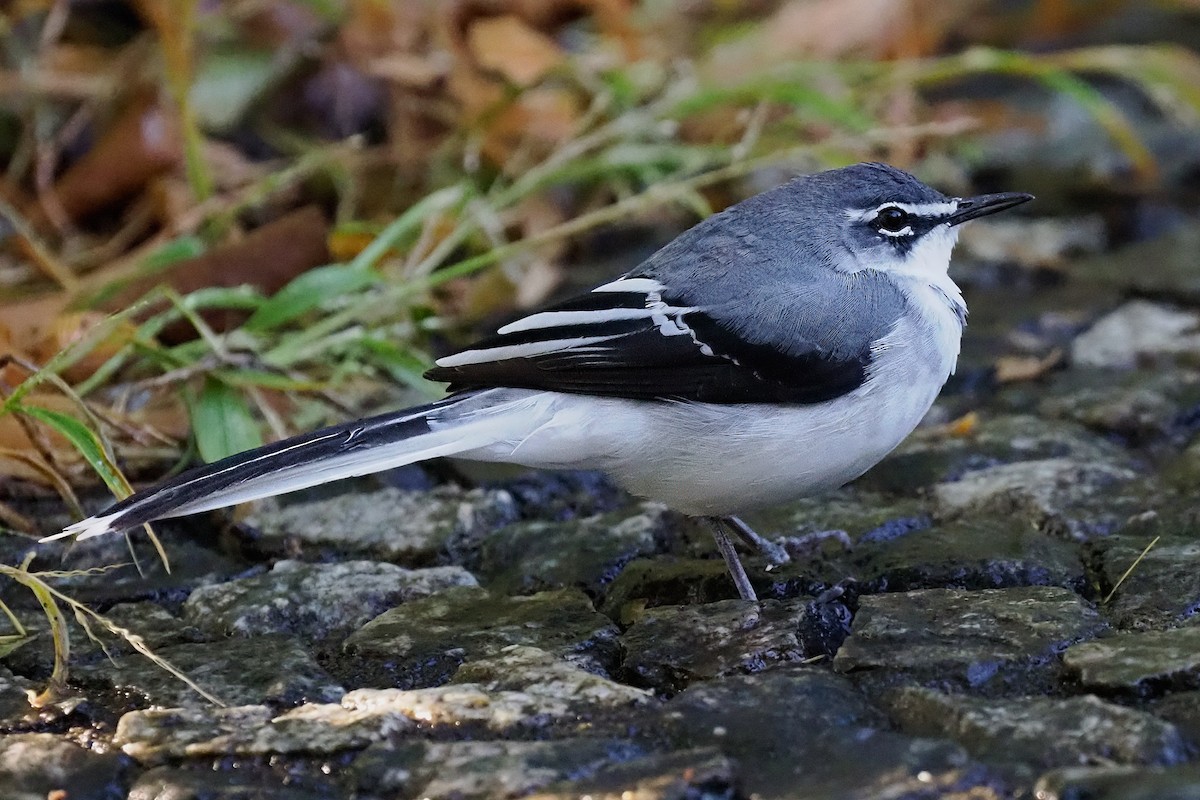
(708, 459)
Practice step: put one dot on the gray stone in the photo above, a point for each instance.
(314, 601)
(479, 769)
(15, 692)
(671, 647)
(158, 735)
(240, 781)
(679, 775)
(1163, 588)
(1142, 407)
(523, 689)
(1120, 783)
(1050, 493)
(424, 641)
(1175, 273)
(983, 640)
(409, 528)
(1040, 732)
(931, 456)
(265, 669)
(984, 551)
(807, 733)
(668, 580)
(571, 696)
(1182, 709)
(37, 766)
(1137, 332)
(585, 553)
(1138, 662)
(520, 668)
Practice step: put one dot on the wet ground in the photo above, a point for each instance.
(957, 624)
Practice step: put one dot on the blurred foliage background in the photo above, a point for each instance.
(221, 222)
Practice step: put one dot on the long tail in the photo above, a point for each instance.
(455, 425)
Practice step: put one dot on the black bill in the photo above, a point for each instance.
(973, 207)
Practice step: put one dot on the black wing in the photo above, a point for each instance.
(633, 338)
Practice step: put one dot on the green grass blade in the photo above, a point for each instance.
(222, 422)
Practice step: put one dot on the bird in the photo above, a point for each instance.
(778, 349)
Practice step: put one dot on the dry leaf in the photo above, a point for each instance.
(267, 258)
(1018, 369)
(510, 47)
(142, 143)
(70, 327)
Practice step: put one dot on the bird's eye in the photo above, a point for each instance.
(891, 220)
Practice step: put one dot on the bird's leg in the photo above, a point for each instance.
(732, 562)
(775, 553)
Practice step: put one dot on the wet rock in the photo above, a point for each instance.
(37, 766)
(1182, 709)
(423, 642)
(565, 495)
(671, 647)
(155, 625)
(1040, 732)
(1046, 243)
(516, 668)
(573, 695)
(409, 528)
(1142, 407)
(669, 580)
(1175, 274)
(314, 601)
(1120, 783)
(861, 513)
(193, 564)
(1052, 493)
(803, 732)
(1164, 588)
(586, 553)
(697, 773)
(155, 736)
(984, 641)
(479, 769)
(265, 669)
(1138, 332)
(931, 456)
(1138, 662)
(14, 697)
(243, 781)
(543, 692)
(972, 552)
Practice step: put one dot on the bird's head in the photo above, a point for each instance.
(887, 220)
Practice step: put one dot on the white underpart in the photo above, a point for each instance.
(926, 280)
(719, 459)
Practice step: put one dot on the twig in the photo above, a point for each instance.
(1128, 572)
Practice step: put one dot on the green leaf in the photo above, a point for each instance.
(309, 290)
(83, 439)
(222, 422)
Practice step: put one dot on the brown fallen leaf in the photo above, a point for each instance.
(267, 258)
(509, 46)
(142, 143)
(1019, 369)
